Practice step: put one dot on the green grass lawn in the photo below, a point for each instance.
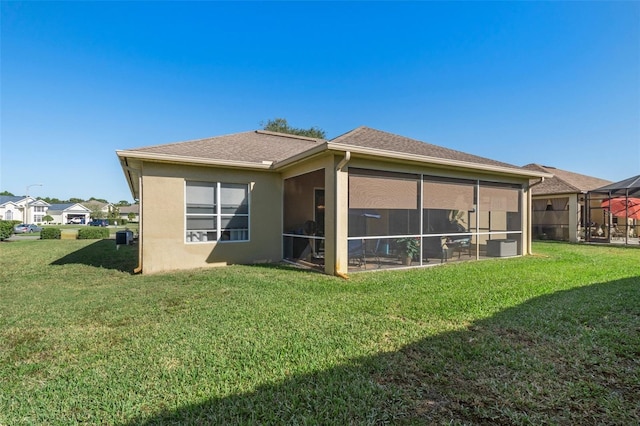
(547, 339)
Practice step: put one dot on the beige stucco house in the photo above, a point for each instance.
(352, 203)
(129, 213)
(558, 204)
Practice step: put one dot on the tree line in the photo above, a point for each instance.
(54, 200)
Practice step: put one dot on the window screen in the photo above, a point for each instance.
(210, 220)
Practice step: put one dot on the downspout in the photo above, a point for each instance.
(138, 269)
(338, 196)
(529, 216)
(344, 161)
(130, 169)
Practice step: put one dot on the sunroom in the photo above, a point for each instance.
(366, 200)
(398, 219)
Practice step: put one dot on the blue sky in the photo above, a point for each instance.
(520, 82)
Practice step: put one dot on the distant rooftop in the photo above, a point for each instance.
(564, 182)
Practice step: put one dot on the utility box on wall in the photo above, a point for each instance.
(502, 248)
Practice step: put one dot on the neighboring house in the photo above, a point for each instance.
(129, 213)
(98, 209)
(68, 212)
(558, 204)
(619, 203)
(12, 208)
(345, 204)
(23, 209)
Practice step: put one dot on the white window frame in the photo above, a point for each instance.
(203, 236)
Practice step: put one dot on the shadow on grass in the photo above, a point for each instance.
(572, 357)
(103, 254)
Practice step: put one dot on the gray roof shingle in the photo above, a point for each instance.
(258, 147)
(10, 198)
(564, 182)
(60, 207)
(253, 147)
(371, 138)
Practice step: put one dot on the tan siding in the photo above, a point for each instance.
(164, 240)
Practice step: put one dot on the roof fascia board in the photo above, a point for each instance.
(131, 174)
(379, 153)
(557, 194)
(177, 159)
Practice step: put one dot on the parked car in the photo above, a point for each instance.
(75, 220)
(99, 222)
(24, 228)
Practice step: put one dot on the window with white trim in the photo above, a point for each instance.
(216, 211)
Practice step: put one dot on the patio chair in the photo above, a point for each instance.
(459, 244)
(358, 252)
(616, 233)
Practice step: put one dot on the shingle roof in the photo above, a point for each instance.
(262, 148)
(376, 139)
(564, 182)
(134, 208)
(10, 198)
(60, 207)
(94, 205)
(253, 147)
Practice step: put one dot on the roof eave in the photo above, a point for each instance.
(540, 194)
(128, 171)
(179, 159)
(423, 159)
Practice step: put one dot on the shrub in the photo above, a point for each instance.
(93, 233)
(50, 233)
(6, 229)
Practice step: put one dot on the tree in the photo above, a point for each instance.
(114, 212)
(123, 203)
(96, 213)
(47, 218)
(280, 125)
(53, 200)
(7, 193)
(100, 200)
(75, 200)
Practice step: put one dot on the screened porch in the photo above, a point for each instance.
(304, 219)
(399, 220)
(613, 213)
